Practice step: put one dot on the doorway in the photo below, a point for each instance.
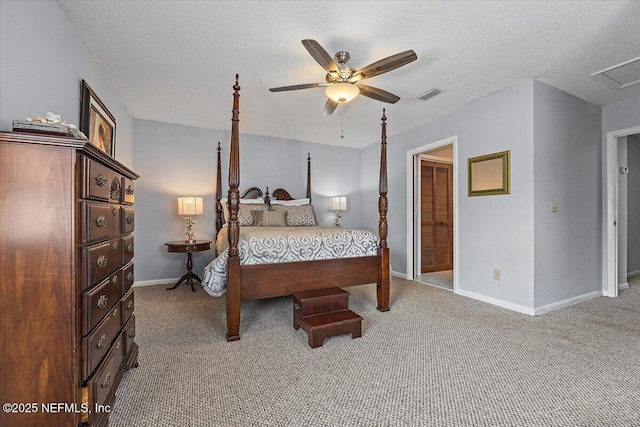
(432, 213)
(614, 242)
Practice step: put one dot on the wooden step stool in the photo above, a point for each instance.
(325, 313)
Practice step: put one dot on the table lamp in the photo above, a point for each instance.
(188, 206)
(338, 204)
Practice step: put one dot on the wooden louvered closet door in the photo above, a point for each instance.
(436, 216)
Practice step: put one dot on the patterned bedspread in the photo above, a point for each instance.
(269, 245)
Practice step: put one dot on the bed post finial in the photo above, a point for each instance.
(219, 192)
(382, 200)
(309, 177)
(267, 199)
(233, 198)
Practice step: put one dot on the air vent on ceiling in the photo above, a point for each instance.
(429, 94)
(620, 76)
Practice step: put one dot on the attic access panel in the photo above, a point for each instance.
(620, 76)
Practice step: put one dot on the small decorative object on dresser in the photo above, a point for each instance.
(96, 122)
(66, 257)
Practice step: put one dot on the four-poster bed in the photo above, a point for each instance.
(249, 282)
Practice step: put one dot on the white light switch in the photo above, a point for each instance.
(497, 274)
(554, 206)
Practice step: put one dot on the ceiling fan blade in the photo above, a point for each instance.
(329, 107)
(320, 55)
(384, 65)
(378, 94)
(297, 87)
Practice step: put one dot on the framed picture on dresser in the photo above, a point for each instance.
(97, 122)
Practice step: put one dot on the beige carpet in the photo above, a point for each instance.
(436, 359)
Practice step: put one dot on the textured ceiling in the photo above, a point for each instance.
(176, 61)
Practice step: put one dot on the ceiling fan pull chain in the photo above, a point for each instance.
(342, 121)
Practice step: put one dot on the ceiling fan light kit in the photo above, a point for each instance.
(342, 92)
(343, 83)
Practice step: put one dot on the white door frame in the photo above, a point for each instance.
(412, 211)
(610, 210)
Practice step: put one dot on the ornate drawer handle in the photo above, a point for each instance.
(101, 181)
(296, 306)
(118, 345)
(115, 189)
(102, 221)
(115, 312)
(130, 276)
(113, 212)
(130, 219)
(114, 279)
(129, 190)
(130, 248)
(131, 334)
(102, 301)
(130, 305)
(107, 380)
(102, 261)
(115, 245)
(102, 341)
(190, 248)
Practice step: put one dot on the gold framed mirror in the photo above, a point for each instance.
(490, 174)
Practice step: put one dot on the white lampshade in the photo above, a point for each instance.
(338, 203)
(190, 206)
(342, 92)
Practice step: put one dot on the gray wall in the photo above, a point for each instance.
(175, 160)
(42, 62)
(621, 115)
(493, 231)
(633, 205)
(567, 170)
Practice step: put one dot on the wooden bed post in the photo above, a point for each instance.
(309, 177)
(219, 193)
(382, 289)
(233, 227)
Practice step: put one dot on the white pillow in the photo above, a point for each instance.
(257, 201)
(296, 202)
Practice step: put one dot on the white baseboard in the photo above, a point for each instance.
(498, 302)
(567, 302)
(633, 273)
(400, 275)
(623, 286)
(156, 282)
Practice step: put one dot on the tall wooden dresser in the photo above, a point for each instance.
(67, 327)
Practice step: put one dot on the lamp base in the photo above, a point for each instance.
(190, 241)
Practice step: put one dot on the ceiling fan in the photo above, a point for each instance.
(343, 83)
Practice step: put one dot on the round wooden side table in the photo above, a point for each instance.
(188, 248)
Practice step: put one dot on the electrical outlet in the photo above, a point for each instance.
(554, 206)
(497, 274)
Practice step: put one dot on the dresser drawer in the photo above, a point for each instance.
(128, 220)
(127, 249)
(127, 307)
(102, 260)
(99, 300)
(97, 343)
(96, 221)
(127, 278)
(130, 333)
(95, 179)
(103, 383)
(128, 191)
